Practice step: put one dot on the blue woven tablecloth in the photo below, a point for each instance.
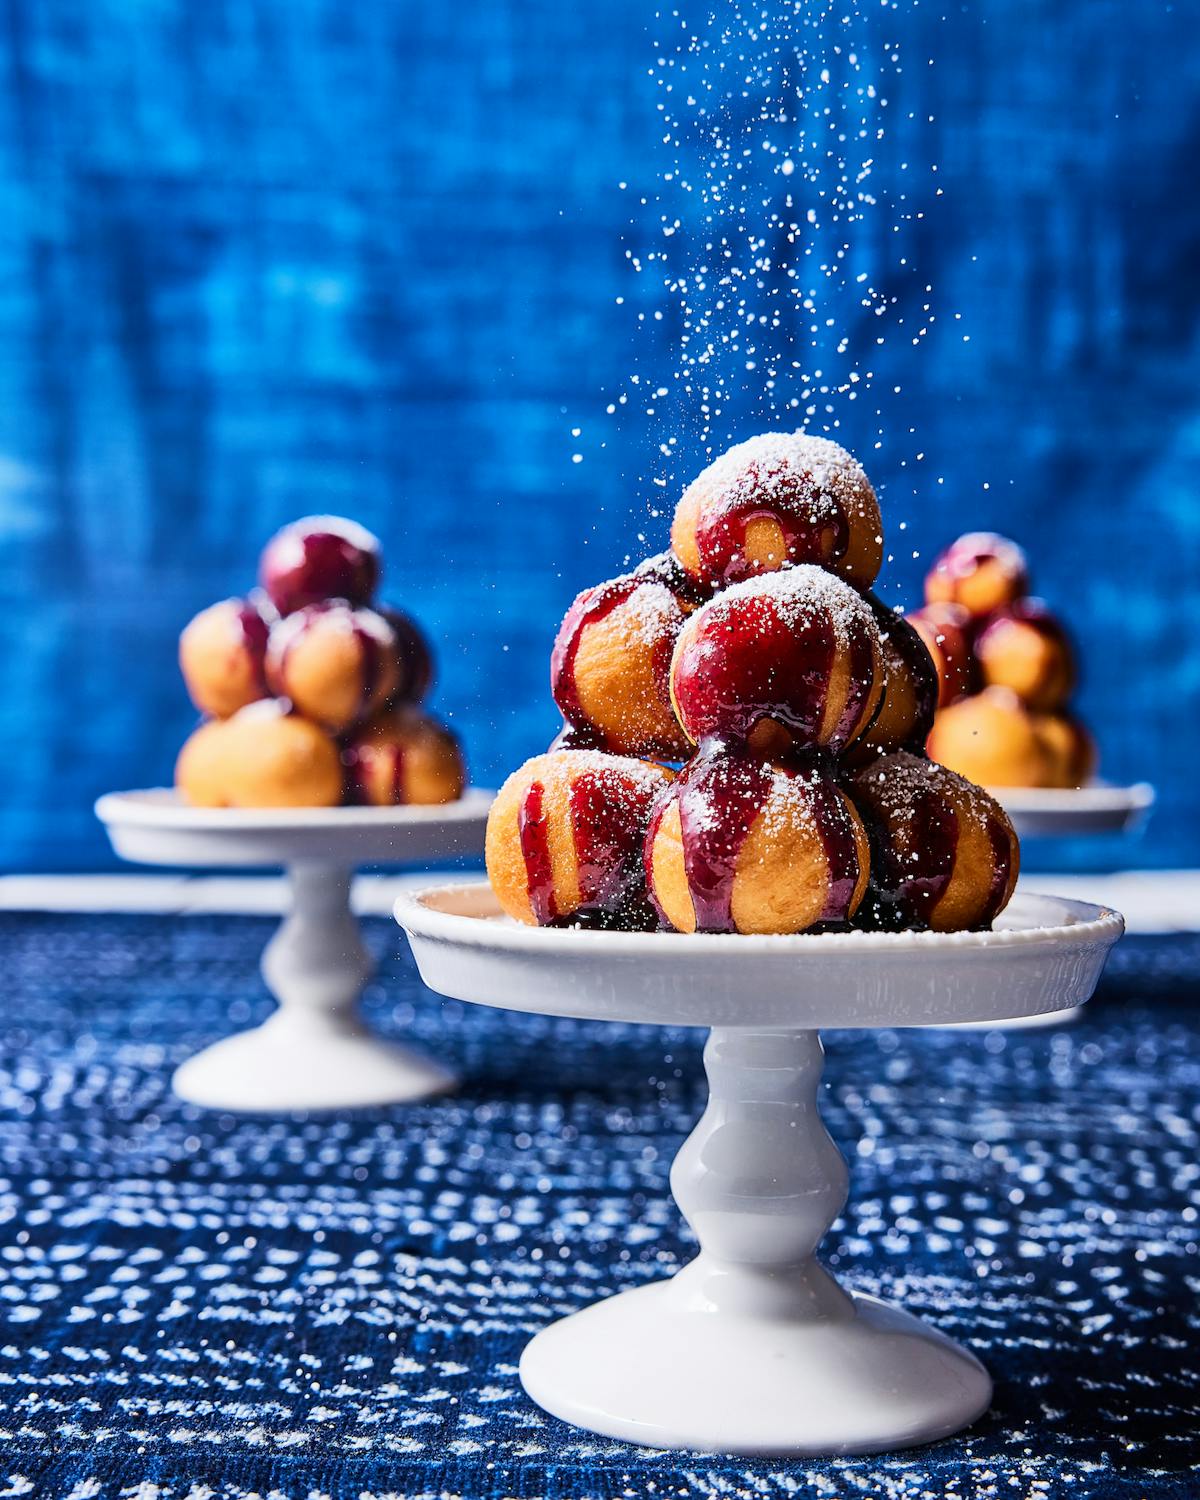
(193, 1304)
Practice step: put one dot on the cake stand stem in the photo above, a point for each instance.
(753, 1347)
(313, 1052)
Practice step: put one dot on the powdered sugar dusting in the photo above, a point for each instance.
(618, 774)
(800, 596)
(774, 466)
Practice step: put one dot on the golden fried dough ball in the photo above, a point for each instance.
(1025, 649)
(792, 660)
(739, 845)
(943, 853)
(264, 756)
(779, 498)
(610, 669)
(404, 756)
(981, 571)
(221, 655)
(565, 839)
(992, 739)
(337, 664)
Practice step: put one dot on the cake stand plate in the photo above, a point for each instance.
(753, 1348)
(1042, 812)
(313, 1052)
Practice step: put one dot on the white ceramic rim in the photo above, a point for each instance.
(161, 808)
(1080, 924)
(1098, 797)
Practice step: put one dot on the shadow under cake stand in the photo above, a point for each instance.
(754, 1348)
(313, 1052)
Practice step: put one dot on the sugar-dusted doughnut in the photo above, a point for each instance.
(789, 661)
(943, 853)
(610, 668)
(779, 498)
(566, 835)
(740, 845)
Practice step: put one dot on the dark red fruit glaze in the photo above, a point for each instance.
(902, 894)
(745, 665)
(413, 655)
(533, 828)
(720, 795)
(592, 606)
(914, 654)
(815, 526)
(256, 629)
(320, 557)
(609, 829)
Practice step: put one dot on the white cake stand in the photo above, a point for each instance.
(313, 1052)
(1043, 812)
(753, 1348)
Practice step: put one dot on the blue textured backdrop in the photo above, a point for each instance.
(259, 257)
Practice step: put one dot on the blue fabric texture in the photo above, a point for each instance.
(265, 257)
(193, 1304)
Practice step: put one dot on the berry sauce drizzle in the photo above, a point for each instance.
(813, 523)
(608, 826)
(533, 826)
(255, 630)
(741, 670)
(719, 798)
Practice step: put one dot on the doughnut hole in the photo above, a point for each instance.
(403, 756)
(746, 847)
(263, 756)
(790, 661)
(610, 667)
(944, 854)
(566, 835)
(776, 499)
(335, 663)
(982, 572)
(221, 656)
(992, 739)
(1026, 650)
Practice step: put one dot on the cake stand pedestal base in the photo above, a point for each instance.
(313, 1052)
(753, 1348)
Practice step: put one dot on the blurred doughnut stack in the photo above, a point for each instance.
(1006, 671)
(745, 722)
(311, 691)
